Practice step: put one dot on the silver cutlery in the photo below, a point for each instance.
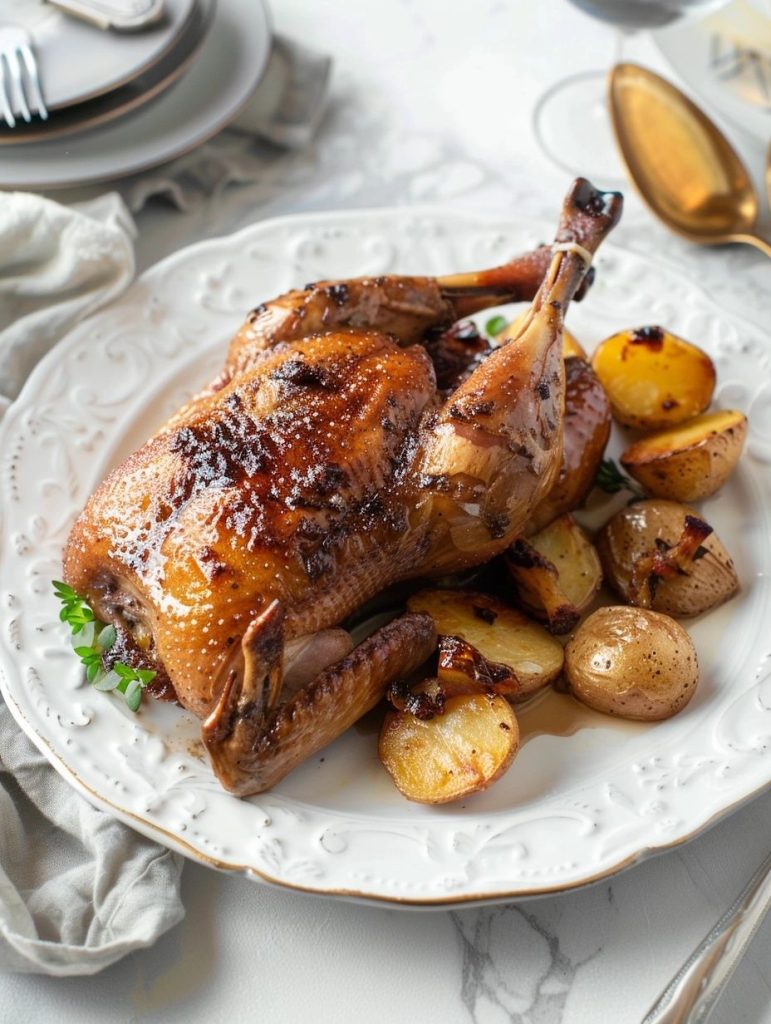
(692, 993)
(20, 86)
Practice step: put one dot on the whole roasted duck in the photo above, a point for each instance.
(323, 465)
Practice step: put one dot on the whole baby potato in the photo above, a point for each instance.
(633, 663)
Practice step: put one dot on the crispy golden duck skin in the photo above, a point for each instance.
(322, 466)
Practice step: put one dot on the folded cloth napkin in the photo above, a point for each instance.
(57, 265)
(78, 889)
(285, 110)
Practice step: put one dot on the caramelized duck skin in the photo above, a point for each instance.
(320, 468)
(404, 307)
(252, 752)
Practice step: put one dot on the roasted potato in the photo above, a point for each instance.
(587, 429)
(653, 378)
(659, 554)
(688, 462)
(632, 662)
(555, 574)
(521, 655)
(450, 755)
(571, 346)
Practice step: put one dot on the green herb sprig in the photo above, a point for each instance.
(611, 480)
(495, 325)
(93, 639)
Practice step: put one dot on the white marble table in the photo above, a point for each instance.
(432, 102)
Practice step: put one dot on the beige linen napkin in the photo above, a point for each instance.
(78, 889)
(57, 265)
(285, 111)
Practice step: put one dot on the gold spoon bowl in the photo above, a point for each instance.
(680, 163)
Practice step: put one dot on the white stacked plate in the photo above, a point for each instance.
(726, 60)
(121, 102)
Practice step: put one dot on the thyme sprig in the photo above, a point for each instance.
(94, 638)
(611, 480)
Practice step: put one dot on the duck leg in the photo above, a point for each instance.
(404, 307)
(253, 743)
(493, 450)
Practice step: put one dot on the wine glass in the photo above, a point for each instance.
(571, 118)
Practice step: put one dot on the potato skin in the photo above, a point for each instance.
(688, 462)
(587, 429)
(653, 378)
(637, 530)
(633, 663)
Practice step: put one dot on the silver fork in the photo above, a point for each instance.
(691, 995)
(16, 58)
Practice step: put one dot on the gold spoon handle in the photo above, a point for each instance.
(757, 241)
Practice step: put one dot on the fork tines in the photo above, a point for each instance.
(20, 86)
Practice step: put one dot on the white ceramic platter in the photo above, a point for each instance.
(208, 96)
(78, 61)
(586, 795)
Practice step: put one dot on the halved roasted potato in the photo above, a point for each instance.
(555, 574)
(633, 663)
(653, 378)
(659, 554)
(688, 462)
(450, 755)
(520, 653)
(587, 429)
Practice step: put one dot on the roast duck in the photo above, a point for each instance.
(354, 439)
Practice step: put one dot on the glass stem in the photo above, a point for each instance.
(618, 54)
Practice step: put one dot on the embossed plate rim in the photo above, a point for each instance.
(433, 889)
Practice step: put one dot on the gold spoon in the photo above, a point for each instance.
(682, 166)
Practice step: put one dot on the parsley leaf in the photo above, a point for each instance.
(93, 639)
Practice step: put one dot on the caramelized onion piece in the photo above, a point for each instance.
(661, 555)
